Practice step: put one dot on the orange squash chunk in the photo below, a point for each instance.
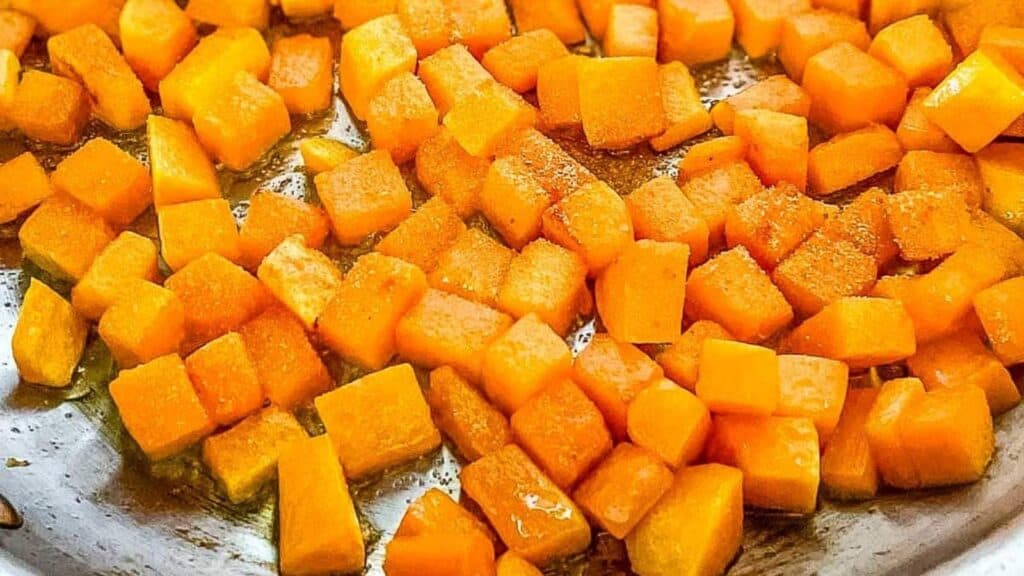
(623, 488)
(254, 13)
(777, 145)
(1006, 40)
(446, 170)
(359, 322)
(738, 378)
(962, 359)
(64, 237)
(840, 332)
(558, 93)
(702, 514)
(159, 408)
(192, 229)
(711, 154)
(685, 115)
(506, 485)
(445, 329)
(814, 388)
(556, 171)
(1001, 171)
(894, 401)
(50, 108)
(854, 8)
(225, 379)
(352, 13)
(864, 224)
(852, 157)
(49, 337)
(670, 422)
(593, 222)
(823, 270)
(512, 564)
(181, 170)
(941, 172)
(436, 513)
(695, 32)
(481, 120)
(804, 35)
(427, 23)
(881, 13)
(451, 74)
(155, 35)
(364, 195)
(218, 297)
(513, 201)
(55, 16)
(302, 72)
(661, 212)
(16, 31)
(773, 223)
(732, 290)
(632, 31)
(480, 24)
(620, 101)
(715, 192)
(371, 54)
(440, 554)
(848, 470)
(129, 256)
(850, 89)
(681, 360)
(271, 219)
(563, 431)
(526, 359)
(243, 458)
(23, 185)
(559, 16)
(916, 48)
(474, 426)
(401, 116)
(515, 62)
(597, 13)
(289, 368)
(611, 374)
(424, 237)
(473, 268)
(999, 239)
(927, 224)
(778, 457)
(88, 55)
(303, 279)
(645, 273)
(548, 280)
(321, 154)
(107, 180)
(1000, 312)
(147, 322)
(318, 527)
(966, 21)
(776, 93)
(759, 23)
(917, 132)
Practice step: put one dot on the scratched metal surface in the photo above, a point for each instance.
(93, 505)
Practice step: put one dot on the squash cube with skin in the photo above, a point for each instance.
(941, 171)
(159, 408)
(773, 223)
(444, 169)
(1000, 314)
(364, 195)
(852, 157)
(192, 229)
(64, 237)
(681, 360)
(512, 564)
(423, 238)
(427, 23)
(302, 278)
(554, 168)
(450, 75)
(322, 154)
(715, 192)
(523, 361)
(961, 359)
(49, 337)
(242, 123)
(145, 323)
(850, 89)
(916, 48)
(776, 93)
(445, 329)
(661, 212)
(88, 55)
(593, 222)
(127, 257)
(632, 31)
(378, 421)
(864, 224)
(155, 35)
(621, 103)
(287, 364)
(513, 201)
(738, 378)
(562, 430)
(435, 512)
(271, 219)
(371, 54)
(597, 13)
(558, 93)
(107, 180)
(927, 224)
(452, 555)
(821, 271)
(838, 332)
(894, 400)
(359, 322)
(702, 515)
(56, 16)
(695, 32)
(182, 172)
(814, 388)
(302, 72)
(23, 186)
(560, 16)
(225, 379)
(238, 13)
(685, 115)
(759, 23)
(548, 280)
(848, 470)
(917, 132)
(352, 13)
(401, 116)
(480, 24)
(623, 488)
(473, 268)
(515, 62)
(318, 526)
(481, 120)
(804, 35)
(243, 458)
(50, 108)
(670, 422)
(16, 30)
(777, 145)
(1001, 172)
(475, 427)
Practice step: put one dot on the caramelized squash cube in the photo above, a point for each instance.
(840, 332)
(961, 359)
(401, 116)
(23, 186)
(681, 360)
(848, 470)
(621, 102)
(927, 224)
(711, 154)
(558, 92)
(371, 54)
(56, 16)
(289, 368)
(695, 32)
(473, 268)
(812, 387)
(439, 553)
(773, 223)
(427, 23)
(661, 212)
(64, 237)
(321, 154)
(192, 229)
(998, 308)
(597, 13)
(182, 172)
(685, 115)
(145, 323)
(864, 224)
(446, 170)
(16, 30)
(271, 219)
(916, 48)
(554, 168)
(632, 31)
(127, 257)
(49, 337)
(917, 132)
(941, 171)
(1002, 174)
(238, 13)
(593, 222)
(480, 24)
(882, 13)
(523, 361)
(777, 145)
(513, 201)
(423, 238)
(548, 280)
(738, 378)
(853, 157)
(435, 512)
(806, 34)
(483, 119)
(225, 379)
(559, 16)
(623, 488)
(670, 422)
(823, 270)
(894, 400)
(302, 278)
(1006, 40)
(451, 74)
(516, 61)
(302, 72)
(759, 23)
(107, 180)
(155, 35)
(364, 195)
(50, 108)
(461, 412)
(512, 564)
(715, 192)
(352, 13)
(776, 93)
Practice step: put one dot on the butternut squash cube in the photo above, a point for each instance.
(371, 54)
(685, 115)
(997, 307)
(321, 154)
(916, 48)
(145, 323)
(439, 553)
(513, 201)
(548, 280)
(948, 436)
(999, 239)
(271, 219)
(298, 9)
(838, 332)
(695, 32)
(776, 93)
(473, 268)
(436, 513)
(423, 238)
(182, 172)
(864, 224)
(451, 74)
(302, 72)
(961, 359)
(512, 564)
(359, 322)
(446, 170)
(558, 92)
(107, 180)
(806, 34)
(597, 13)
(481, 120)
(917, 132)
(427, 23)
(670, 422)
(461, 412)
(480, 24)
(50, 108)
(738, 378)
(593, 222)
(823, 270)
(526, 359)
(882, 13)
(661, 212)
(848, 470)
(23, 186)
(715, 192)
(759, 23)
(192, 229)
(243, 458)
(681, 360)
(559, 16)
(632, 31)
(289, 368)
(225, 379)
(159, 408)
(621, 102)
(850, 158)
(1002, 175)
(364, 195)
(352, 13)
(777, 146)
(927, 224)
(554, 168)
(64, 237)
(238, 13)
(129, 256)
(894, 400)
(401, 116)
(56, 16)
(49, 337)
(16, 30)
(941, 171)
(773, 223)
(302, 278)
(814, 388)
(378, 421)
(711, 154)
(155, 35)
(623, 488)
(516, 61)
(1006, 40)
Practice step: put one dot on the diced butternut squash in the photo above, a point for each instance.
(353, 13)
(318, 527)
(254, 13)
(670, 422)
(558, 93)
(473, 268)
(423, 238)
(882, 13)
(713, 194)
(23, 185)
(512, 564)
(848, 470)
(999, 239)
(480, 24)
(942, 172)
(681, 360)
(523, 361)
(961, 359)
(474, 426)
(621, 103)
(55, 16)
(107, 180)
(63, 237)
(507, 486)
(88, 55)
(302, 72)
(289, 368)
(440, 554)
(436, 513)
(1000, 167)
(917, 132)
(159, 408)
(777, 145)
(812, 387)
(371, 54)
(883, 430)
(702, 515)
(823, 270)
(593, 222)
(623, 488)
(999, 309)
(321, 154)
(804, 35)
(192, 229)
(711, 154)
(862, 332)
(632, 31)
(181, 170)
(661, 212)
(738, 378)
(779, 458)
(513, 201)
(852, 157)
(685, 115)
(225, 379)
(302, 278)
(645, 273)
(759, 23)
(849, 89)
(245, 457)
(916, 48)
(364, 195)
(16, 30)
(864, 224)
(444, 169)
(127, 257)
(155, 35)
(556, 171)
(482, 119)
(695, 32)
(444, 329)
(776, 93)
(516, 61)
(49, 338)
(401, 116)
(271, 219)
(451, 74)
(145, 323)
(427, 23)
(297, 9)
(596, 13)
(773, 223)
(50, 108)
(927, 224)
(559, 16)
(965, 21)
(1006, 40)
